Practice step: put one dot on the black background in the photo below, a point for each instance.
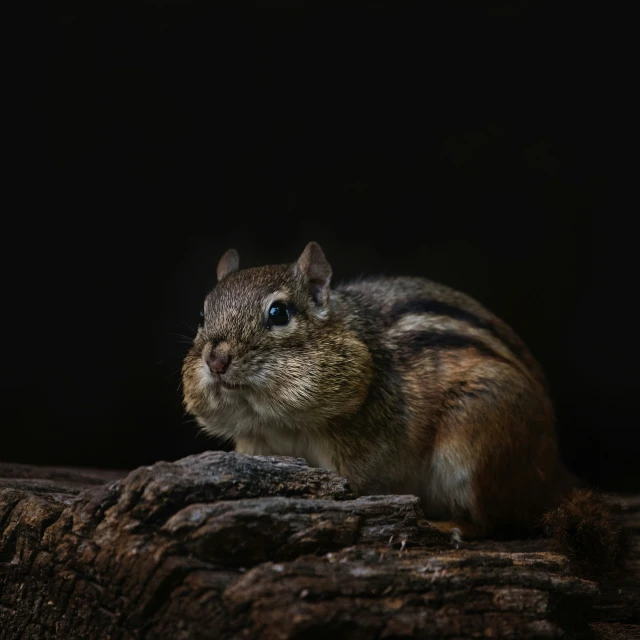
(472, 144)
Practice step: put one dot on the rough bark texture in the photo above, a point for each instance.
(222, 545)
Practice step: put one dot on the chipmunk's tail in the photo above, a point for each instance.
(586, 529)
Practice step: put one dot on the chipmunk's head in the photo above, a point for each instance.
(270, 349)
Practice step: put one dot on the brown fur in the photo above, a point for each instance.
(586, 529)
(400, 384)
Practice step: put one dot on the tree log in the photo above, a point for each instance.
(222, 545)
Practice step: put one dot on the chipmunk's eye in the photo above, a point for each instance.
(278, 314)
(201, 321)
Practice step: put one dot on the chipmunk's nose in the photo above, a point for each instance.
(218, 359)
(218, 363)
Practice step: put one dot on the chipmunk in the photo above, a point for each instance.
(399, 384)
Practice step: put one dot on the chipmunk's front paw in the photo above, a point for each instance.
(452, 531)
(455, 537)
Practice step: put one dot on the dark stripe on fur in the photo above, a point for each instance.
(402, 309)
(415, 342)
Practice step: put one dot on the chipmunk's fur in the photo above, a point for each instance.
(401, 385)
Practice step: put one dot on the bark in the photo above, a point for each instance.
(222, 545)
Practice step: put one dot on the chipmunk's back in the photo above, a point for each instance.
(426, 316)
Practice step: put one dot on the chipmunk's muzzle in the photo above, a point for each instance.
(218, 363)
(218, 360)
(217, 357)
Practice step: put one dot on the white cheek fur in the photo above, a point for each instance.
(205, 377)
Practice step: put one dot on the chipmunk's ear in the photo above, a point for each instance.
(316, 271)
(229, 263)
